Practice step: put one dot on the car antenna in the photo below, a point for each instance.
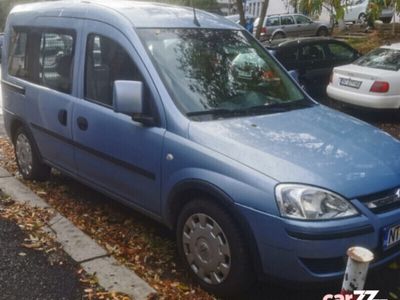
(195, 20)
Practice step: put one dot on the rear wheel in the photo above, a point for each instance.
(213, 248)
(278, 36)
(28, 159)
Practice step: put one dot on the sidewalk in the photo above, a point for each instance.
(28, 274)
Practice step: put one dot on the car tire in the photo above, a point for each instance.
(278, 36)
(213, 249)
(322, 32)
(362, 18)
(28, 159)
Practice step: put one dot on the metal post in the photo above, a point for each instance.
(356, 269)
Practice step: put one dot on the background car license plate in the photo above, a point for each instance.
(391, 236)
(350, 83)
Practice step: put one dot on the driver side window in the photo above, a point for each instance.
(106, 62)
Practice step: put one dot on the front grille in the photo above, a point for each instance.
(326, 265)
(383, 201)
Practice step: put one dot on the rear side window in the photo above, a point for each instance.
(339, 51)
(312, 52)
(56, 61)
(288, 20)
(106, 61)
(273, 21)
(44, 57)
(18, 63)
(286, 55)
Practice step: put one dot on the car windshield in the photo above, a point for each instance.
(220, 73)
(381, 58)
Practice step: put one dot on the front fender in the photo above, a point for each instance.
(215, 173)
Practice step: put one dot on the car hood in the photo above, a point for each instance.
(316, 146)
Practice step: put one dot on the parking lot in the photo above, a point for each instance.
(149, 248)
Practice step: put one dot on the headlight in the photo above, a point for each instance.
(304, 202)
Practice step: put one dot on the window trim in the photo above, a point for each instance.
(41, 30)
(154, 111)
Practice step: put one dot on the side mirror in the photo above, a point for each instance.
(128, 97)
(128, 100)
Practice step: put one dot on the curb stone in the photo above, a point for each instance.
(79, 246)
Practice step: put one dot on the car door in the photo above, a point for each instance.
(112, 152)
(289, 26)
(316, 68)
(305, 27)
(288, 57)
(271, 24)
(47, 81)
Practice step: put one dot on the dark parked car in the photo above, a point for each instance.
(313, 59)
(1, 43)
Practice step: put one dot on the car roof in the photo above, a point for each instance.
(287, 14)
(140, 14)
(289, 42)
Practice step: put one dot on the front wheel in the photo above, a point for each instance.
(322, 31)
(213, 249)
(362, 18)
(28, 159)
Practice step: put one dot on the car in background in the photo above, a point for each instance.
(1, 43)
(290, 25)
(313, 59)
(356, 11)
(372, 81)
(236, 18)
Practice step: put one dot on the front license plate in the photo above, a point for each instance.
(391, 236)
(350, 83)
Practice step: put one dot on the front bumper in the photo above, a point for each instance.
(370, 100)
(309, 252)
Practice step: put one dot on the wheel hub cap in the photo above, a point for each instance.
(206, 248)
(23, 153)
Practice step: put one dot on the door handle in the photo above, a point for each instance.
(82, 123)
(62, 117)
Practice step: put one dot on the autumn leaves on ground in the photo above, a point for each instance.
(141, 244)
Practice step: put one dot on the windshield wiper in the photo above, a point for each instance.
(216, 111)
(278, 106)
(265, 108)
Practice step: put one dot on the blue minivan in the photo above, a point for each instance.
(184, 116)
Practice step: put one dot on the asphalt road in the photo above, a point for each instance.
(28, 274)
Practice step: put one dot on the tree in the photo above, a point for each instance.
(295, 5)
(5, 8)
(239, 4)
(264, 9)
(338, 9)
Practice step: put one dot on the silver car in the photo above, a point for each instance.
(290, 25)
